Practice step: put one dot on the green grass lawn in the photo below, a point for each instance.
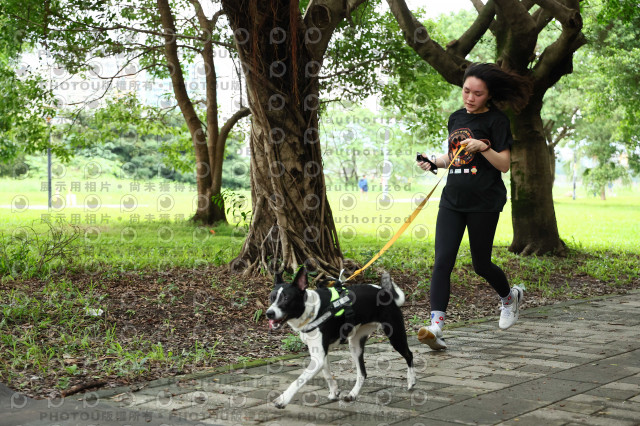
(154, 231)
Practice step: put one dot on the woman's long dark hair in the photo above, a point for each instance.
(505, 88)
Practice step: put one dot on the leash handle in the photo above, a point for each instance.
(407, 223)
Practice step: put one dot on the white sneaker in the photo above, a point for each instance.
(511, 308)
(432, 336)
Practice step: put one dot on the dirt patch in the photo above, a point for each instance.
(214, 312)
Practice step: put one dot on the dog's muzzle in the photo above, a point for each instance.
(274, 324)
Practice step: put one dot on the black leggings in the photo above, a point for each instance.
(450, 227)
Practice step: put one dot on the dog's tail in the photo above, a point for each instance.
(389, 285)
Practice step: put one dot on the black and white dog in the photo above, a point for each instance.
(324, 319)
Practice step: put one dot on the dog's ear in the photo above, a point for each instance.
(300, 280)
(277, 278)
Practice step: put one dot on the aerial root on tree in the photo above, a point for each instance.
(536, 249)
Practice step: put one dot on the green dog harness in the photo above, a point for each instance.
(336, 296)
(339, 303)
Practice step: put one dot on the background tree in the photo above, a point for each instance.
(600, 99)
(612, 81)
(600, 144)
(379, 144)
(369, 59)
(516, 26)
(560, 116)
(597, 103)
(24, 102)
(162, 40)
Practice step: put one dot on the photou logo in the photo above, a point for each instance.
(128, 235)
(128, 203)
(19, 204)
(57, 202)
(384, 201)
(128, 171)
(420, 233)
(165, 202)
(92, 203)
(165, 234)
(348, 233)
(20, 171)
(92, 170)
(58, 170)
(92, 235)
(347, 201)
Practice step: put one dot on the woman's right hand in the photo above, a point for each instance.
(423, 164)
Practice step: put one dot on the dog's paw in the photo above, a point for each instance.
(411, 378)
(349, 398)
(279, 403)
(411, 382)
(334, 396)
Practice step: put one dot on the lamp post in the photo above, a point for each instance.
(49, 164)
(575, 173)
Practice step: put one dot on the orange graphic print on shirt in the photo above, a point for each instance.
(455, 138)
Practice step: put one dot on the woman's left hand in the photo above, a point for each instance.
(473, 145)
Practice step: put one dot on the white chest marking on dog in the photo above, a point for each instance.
(311, 307)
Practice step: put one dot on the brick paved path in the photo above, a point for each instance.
(566, 364)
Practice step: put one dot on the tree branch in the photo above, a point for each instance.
(215, 17)
(158, 47)
(353, 68)
(205, 24)
(462, 46)
(126, 64)
(214, 143)
(516, 15)
(494, 26)
(517, 41)
(228, 125)
(565, 130)
(557, 59)
(478, 5)
(567, 17)
(321, 19)
(547, 127)
(542, 17)
(100, 29)
(86, 102)
(449, 66)
(177, 77)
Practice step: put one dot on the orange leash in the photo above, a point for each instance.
(407, 222)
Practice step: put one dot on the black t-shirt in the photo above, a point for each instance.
(473, 183)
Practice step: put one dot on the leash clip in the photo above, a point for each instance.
(336, 282)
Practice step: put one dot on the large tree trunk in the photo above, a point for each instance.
(292, 222)
(552, 162)
(535, 229)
